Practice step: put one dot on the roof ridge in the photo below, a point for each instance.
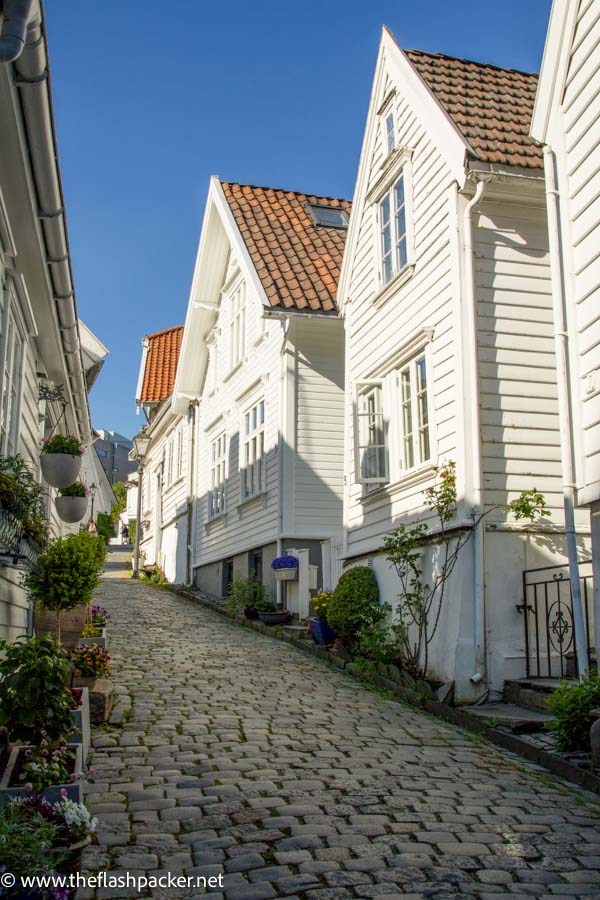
(265, 187)
(165, 331)
(472, 62)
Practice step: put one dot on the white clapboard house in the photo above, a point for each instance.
(165, 476)
(566, 119)
(43, 374)
(263, 356)
(445, 291)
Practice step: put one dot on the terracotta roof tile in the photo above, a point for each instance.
(161, 364)
(297, 261)
(492, 107)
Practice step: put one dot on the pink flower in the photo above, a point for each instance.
(28, 787)
(63, 792)
(44, 752)
(92, 771)
(73, 776)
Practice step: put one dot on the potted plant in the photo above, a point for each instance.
(60, 460)
(321, 631)
(35, 708)
(72, 503)
(268, 612)
(285, 568)
(23, 497)
(89, 663)
(92, 634)
(61, 585)
(30, 846)
(99, 616)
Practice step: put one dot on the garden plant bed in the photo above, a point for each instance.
(11, 784)
(390, 678)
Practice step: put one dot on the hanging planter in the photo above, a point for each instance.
(72, 504)
(60, 461)
(285, 568)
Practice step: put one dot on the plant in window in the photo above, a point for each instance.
(420, 604)
(23, 497)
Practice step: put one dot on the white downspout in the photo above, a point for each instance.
(473, 377)
(562, 380)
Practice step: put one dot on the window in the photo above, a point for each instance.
(390, 133)
(179, 456)
(329, 216)
(370, 437)
(11, 354)
(392, 428)
(169, 464)
(237, 326)
(252, 475)
(216, 495)
(393, 231)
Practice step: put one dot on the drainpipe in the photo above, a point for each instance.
(477, 480)
(191, 493)
(17, 14)
(561, 350)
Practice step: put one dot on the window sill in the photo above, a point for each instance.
(421, 474)
(212, 520)
(234, 369)
(398, 281)
(247, 501)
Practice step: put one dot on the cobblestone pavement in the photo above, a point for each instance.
(238, 755)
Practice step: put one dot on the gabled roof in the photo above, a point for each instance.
(491, 107)
(297, 261)
(161, 358)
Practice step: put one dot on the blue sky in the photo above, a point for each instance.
(151, 99)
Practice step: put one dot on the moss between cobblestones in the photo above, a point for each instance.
(477, 731)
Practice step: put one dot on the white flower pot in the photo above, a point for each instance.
(71, 509)
(60, 469)
(286, 574)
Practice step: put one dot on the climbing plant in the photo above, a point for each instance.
(420, 604)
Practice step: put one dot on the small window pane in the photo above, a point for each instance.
(389, 132)
(329, 216)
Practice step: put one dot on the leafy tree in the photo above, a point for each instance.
(120, 492)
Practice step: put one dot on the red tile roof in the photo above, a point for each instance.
(297, 261)
(492, 107)
(161, 364)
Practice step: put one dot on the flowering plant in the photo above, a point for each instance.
(91, 660)
(73, 821)
(285, 562)
(74, 490)
(100, 615)
(319, 603)
(91, 631)
(61, 443)
(74, 697)
(46, 766)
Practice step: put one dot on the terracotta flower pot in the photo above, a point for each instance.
(71, 509)
(60, 469)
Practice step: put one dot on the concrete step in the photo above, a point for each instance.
(518, 719)
(531, 693)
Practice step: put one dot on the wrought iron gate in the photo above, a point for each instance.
(547, 608)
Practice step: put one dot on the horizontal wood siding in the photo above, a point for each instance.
(373, 333)
(581, 122)
(319, 445)
(520, 438)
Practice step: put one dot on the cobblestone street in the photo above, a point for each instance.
(233, 753)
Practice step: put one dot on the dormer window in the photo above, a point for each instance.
(329, 216)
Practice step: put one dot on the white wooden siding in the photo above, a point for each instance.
(581, 123)
(315, 504)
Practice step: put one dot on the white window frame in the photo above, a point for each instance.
(169, 464)
(397, 167)
(218, 475)
(252, 450)
(237, 324)
(388, 132)
(398, 234)
(402, 453)
(12, 353)
(364, 393)
(179, 455)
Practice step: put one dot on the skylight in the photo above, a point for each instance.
(329, 216)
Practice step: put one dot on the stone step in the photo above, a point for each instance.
(518, 719)
(531, 693)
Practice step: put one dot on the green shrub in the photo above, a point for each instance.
(355, 605)
(34, 695)
(61, 443)
(24, 497)
(105, 526)
(29, 844)
(570, 704)
(250, 592)
(66, 574)
(77, 489)
(153, 575)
